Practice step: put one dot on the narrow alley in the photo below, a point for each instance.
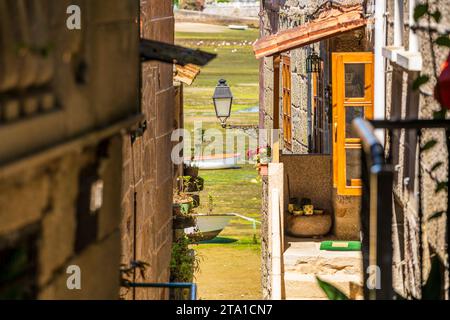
(224, 150)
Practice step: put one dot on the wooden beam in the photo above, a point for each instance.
(170, 53)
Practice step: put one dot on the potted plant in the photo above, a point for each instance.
(191, 169)
(193, 184)
(184, 264)
(196, 200)
(182, 211)
(263, 157)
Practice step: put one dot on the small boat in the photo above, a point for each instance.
(220, 161)
(208, 226)
(237, 27)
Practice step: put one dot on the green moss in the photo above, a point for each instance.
(229, 35)
(238, 190)
(236, 63)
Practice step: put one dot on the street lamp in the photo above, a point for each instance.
(313, 63)
(223, 99)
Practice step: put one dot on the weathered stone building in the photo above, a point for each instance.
(85, 170)
(408, 55)
(316, 136)
(299, 103)
(148, 171)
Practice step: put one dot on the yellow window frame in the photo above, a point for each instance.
(340, 105)
(286, 98)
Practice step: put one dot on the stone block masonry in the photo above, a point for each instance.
(148, 171)
(49, 162)
(41, 203)
(304, 261)
(415, 237)
(73, 102)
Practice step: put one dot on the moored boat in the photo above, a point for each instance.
(208, 226)
(220, 161)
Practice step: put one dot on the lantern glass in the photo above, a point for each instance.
(223, 107)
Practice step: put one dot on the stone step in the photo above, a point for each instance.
(305, 286)
(307, 258)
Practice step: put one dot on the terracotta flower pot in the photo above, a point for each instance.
(309, 226)
(263, 169)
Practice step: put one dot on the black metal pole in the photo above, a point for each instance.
(420, 203)
(178, 285)
(447, 231)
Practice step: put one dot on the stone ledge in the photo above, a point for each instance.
(306, 286)
(331, 265)
(304, 260)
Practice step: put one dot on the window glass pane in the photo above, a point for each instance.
(353, 167)
(355, 74)
(350, 114)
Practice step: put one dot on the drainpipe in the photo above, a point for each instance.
(379, 66)
(411, 60)
(398, 23)
(413, 38)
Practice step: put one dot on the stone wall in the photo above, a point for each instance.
(309, 176)
(234, 9)
(266, 266)
(48, 219)
(53, 157)
(292, 14)
(38, 202)
(209, 18)
(148, 170)
(266, 121)
(403, 101)
(277, 16)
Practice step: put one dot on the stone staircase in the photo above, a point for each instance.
(303, 261)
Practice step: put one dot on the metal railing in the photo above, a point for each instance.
(170, 285)
(376, 215)
(377, 202)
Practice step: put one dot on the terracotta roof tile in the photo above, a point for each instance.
(328, 24)
(187, 73)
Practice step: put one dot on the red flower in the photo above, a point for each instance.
(442, 90)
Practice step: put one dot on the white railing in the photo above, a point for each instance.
(275, 229)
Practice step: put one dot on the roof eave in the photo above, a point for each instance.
(306, 34)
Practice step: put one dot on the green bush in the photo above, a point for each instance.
(183, 263)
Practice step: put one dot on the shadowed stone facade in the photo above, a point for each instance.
(415, 237)
(148, 170)
(64, 105)
(280, 15)
(69, 101)
(411, 259)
